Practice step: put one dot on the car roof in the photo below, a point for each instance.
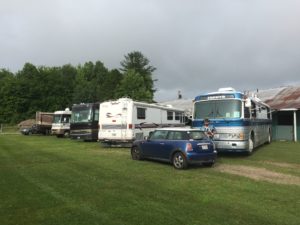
(178, 129)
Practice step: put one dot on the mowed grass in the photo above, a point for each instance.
(46, 180)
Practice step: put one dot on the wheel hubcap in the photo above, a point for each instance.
(178, 161)
(135, 153)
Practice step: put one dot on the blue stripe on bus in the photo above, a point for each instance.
(232, 122)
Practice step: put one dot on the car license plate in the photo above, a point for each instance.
(204, 147)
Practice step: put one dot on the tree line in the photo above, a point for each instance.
(55, 88)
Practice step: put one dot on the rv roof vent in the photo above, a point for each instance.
(226, 89)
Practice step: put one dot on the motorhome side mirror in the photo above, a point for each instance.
(248, 103)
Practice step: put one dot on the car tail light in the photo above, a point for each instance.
(130, 126)
(189, 147)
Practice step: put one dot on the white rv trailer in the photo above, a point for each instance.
(122, 121)
(61, 123)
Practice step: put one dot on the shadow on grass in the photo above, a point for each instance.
(165, 163)
(233, 154)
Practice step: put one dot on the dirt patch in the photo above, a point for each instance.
(283, 165)
(260, 174)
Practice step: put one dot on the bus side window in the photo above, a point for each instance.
(246, 112)
(253, 110)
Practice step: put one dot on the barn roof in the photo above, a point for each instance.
(281, 98)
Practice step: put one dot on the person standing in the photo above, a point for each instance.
(208, 129)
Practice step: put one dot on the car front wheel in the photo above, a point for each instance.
(179, 161)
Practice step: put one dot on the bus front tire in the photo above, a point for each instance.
(250, 145)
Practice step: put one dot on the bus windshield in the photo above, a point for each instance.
(218, 109)
(81, 115)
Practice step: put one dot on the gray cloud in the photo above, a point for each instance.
(197, 46)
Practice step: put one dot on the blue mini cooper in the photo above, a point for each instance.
(179, 146)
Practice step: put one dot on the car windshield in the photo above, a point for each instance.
(218, 109)
(196, 135)
(81, 114)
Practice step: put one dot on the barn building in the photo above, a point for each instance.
(285, 105)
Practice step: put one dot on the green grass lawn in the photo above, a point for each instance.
(46, 180)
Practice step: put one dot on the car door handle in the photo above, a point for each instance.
(162, 143)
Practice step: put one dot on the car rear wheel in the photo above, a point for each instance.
(179, 161)
(135, 153)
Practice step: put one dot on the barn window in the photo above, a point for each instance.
(178, 115)
(285, 118)
(169, 115)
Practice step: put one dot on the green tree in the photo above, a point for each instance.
(140, 64)
(90, 82)
(28, 91)
(132, 85)
(111, 83)
(8, 97)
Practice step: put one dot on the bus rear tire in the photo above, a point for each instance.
(269, 138)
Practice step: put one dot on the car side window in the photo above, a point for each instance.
(176, 135)
(197, 135)
(159, 134)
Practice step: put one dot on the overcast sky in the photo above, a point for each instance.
(196, 45)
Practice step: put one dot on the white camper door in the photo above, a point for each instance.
(124, 120)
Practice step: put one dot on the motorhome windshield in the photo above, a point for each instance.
(215, 109)
(61, 118)
(81, 114)
(57, 118)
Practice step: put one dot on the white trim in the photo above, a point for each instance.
(288, 109)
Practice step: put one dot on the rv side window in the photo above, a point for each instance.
(246, 112)
(169, 115)
(96, 115)
(263, 112)
(141, 113)
(253, 110)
